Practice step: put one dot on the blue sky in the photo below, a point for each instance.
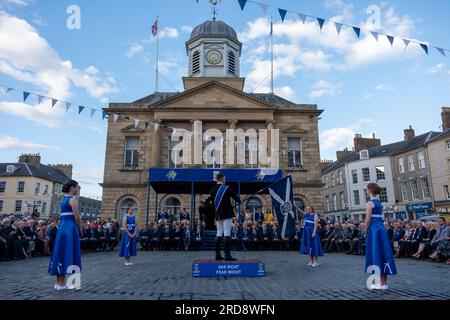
(362, 85)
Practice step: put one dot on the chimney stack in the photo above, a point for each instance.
(325, 163)
(365, 143)
(64, 168)
(33, 159)
(409, 133)
(342, 153)
(445, 114)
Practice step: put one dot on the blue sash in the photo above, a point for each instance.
(219, 196)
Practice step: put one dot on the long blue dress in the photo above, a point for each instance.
(66, 250)
(310, 246)
(378, 246)
(128, 245)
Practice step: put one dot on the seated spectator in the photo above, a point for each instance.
(440, 243)
(268, 217)
(330, 237)
(265, 237)
(351, 240)
(111, 237)
(167, 237)
(27, 243)
(294, 241)
(155, 238)
(399, 232)
(186, 235)
(420, 234)
(144, 238)
(10, 246)
(198, 238)
(184, 215)
(100, 238)
(235, 241)
(255, 237)
(41, 233)
(246, 236)
(275, 238)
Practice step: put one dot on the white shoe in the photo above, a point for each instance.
(315, 265)
(128, 263)
(59, 287)
(385, 287)
(310, 263)
(375, 287)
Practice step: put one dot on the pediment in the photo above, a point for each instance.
(214, 95)
(132, 129)
(294, 129)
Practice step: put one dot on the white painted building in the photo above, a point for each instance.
(373, 165)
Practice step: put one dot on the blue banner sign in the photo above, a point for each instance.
(419, 206)
(240, 268)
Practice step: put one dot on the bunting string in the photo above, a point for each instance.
(339, 25)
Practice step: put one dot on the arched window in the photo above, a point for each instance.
(299, 203)
(231, 62)
(173, 205)
(253, 204)
(126, 205)
(196, 62)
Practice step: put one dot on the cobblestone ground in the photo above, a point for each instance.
(167, 275)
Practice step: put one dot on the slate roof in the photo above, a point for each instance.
(42, 171)
(387, 149)
(445, 134)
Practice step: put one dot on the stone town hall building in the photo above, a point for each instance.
(213, 97)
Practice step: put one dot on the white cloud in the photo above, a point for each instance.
(42, 113)
(439, 68)
(168, 32)
(8, 142)
(368, 96)
(339, 138)
(187, 29)
(21, 3)
(323, 87)
(134, 50)
(28, 57)
(384, 87)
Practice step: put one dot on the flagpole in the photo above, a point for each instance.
(157, 57)
(271, 55)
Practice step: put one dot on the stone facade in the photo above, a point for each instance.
(218, 103)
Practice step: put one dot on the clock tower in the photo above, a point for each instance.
(213, 51)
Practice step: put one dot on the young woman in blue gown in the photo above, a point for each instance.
(379, 257)
(129, 237)
(66, 250)
(311, 245)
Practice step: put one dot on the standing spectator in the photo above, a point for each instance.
(352, 237)
(268, 217)
(184, 215)
(111, 237)
(144, 238)
(198, 238)
(259, 217)
(155, 238)
(100, 238)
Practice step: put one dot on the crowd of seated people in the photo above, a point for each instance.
(409, 239)
(26, 236)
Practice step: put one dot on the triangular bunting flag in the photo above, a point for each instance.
(9, 89)
(40, 98)
(321, 22)
(115, 116)
(146, 124)
(127, 118)
(25, 96)
(104, 114)
(242, 3)
(302, 17)
(391, 40)
(406, 42)
(68, 105)
(357, 31)
(93, 112)
(155, 126)
(424, 47)
(80, 109)
(54, 101)
(263, 7)
(338, 27)
(374, 34)
(441, 51)
(136, 123)
(282, 14)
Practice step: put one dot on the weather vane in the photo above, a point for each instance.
(214, 4)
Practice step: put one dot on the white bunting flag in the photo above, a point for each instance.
(115, 116)
(136, 123)
(93, 112)
(338, 27)
(68, 105)
(302, 17)
(374, 34)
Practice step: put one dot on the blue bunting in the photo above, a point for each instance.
(242, 3)
(282, 14)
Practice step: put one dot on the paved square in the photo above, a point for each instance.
(167, 275)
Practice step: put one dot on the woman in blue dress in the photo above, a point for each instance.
(66, 256)
(311, 245)
(379, 257)
(128, 243)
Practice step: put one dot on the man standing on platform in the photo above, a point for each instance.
(224, 213)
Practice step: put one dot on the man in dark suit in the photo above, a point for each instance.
(221, 195)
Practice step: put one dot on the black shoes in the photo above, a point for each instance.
(227, 246)
(218, 244)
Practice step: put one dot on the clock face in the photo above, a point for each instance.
(214, 57)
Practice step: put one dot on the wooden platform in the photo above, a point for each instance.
(239, 268)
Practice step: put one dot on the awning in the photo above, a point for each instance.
(201, 181)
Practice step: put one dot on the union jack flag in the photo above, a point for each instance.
(155, 28)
